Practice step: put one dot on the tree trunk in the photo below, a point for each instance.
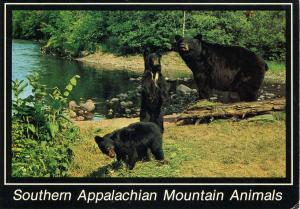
(204, 111)
(183, 24)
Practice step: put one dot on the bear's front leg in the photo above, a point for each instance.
(132, 158)
(201, 80)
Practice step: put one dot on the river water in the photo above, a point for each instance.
(96, 84)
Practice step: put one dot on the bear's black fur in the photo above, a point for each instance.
(131, 143)
(154, 90)
(226, 68)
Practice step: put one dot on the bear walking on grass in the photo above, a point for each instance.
(154, 90)
(226, 68)
(131, 143)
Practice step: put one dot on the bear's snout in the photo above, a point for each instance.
(111, 153)
(183, 47)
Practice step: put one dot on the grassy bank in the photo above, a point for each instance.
(172, 65)
(219, 149)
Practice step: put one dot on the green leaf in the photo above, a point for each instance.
(66, 93)
(73, 81)
(77, 76)
(53, 129)
(31, 128)
(43, 144)
(69, 87)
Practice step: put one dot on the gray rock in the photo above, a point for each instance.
(269, 95)
(126, 104)
(89, 105)
(123, 104)
(84, 53)
(183, 89)
(213, 99)
(139, 88)
(194, 91)
(123, 96)
(73, 105)
(135, 79)
(114, 100)
(173, 96)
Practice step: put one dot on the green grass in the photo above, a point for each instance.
(220, 149)
(275, 66)
(276, 73)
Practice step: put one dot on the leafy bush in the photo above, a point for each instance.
(41, 132)
(68, 33)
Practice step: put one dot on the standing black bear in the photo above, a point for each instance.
(132, 143)
(226, 68)
(154, 90)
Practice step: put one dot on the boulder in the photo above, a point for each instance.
(123, 96)
(88, 106)
(73, 105)
(183, 89)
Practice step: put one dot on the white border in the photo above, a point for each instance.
(121, 184)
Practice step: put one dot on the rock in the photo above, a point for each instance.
(183, 89)
(269, 95)
(213, 99)
(127, 111)
(135, 79)
(139, 88)
(129, 104)
(89, 116)
(194, 91)
(126, 104)
(123, 104)
(123, 96)
(173, 96)
(84, 53)
(114, 100)
(88, 106)
(73, 105)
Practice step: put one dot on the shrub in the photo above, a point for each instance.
(41, 130)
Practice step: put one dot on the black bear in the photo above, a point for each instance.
(154, 90)
(131, 143)
(226, 68)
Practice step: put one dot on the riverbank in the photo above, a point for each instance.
(173, 66)
(220, 149)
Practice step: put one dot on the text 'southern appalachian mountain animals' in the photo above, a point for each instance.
(225, 68)
(154, 90)
(131, 143)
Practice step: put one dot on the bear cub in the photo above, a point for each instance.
(131, 143)
(154, 90)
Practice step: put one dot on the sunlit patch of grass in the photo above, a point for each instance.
(276, 72)
(276, 66)
(218, 149)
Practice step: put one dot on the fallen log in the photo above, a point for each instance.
(205, 111)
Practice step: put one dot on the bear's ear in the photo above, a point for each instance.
(98, 139)
(199, 37)
(177, 37)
